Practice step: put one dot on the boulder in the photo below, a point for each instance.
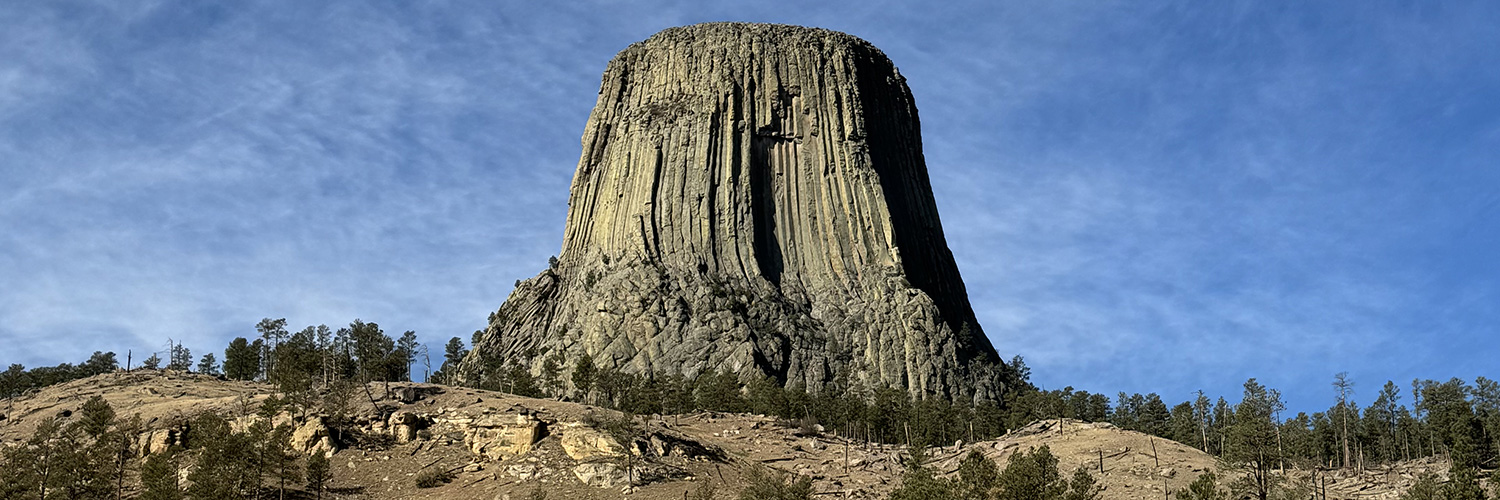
(582, 442)
(404, 425)
(412, 394)
(313, 436)
(498, 437)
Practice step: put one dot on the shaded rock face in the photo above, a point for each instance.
(752, 198)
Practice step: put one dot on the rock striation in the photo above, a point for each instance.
(752, 198)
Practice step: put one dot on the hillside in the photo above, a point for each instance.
(504, 446)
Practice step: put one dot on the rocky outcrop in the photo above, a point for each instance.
(404, 425)
(160, 440)
(498, 437)
(582, 442)
(313, 436)
(752, 198)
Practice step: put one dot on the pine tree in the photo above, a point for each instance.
(241, 360)
(551, 379)
(227, 465)
(208, 365)
(1205, 487)
(281, 459)
(1183, 426)
(37, 463)
(99, 363)
(1031, 475)
(297, 363)
(159, 477)
(406, 354)
(271, 331)
(1082, 486)
(1253, 438)
(318, 474)
(179, 358)
(1154, 416)
(453, 354)
(918, 481)
(765, 484)
(583, 375)
(977, 477)
(88, 452)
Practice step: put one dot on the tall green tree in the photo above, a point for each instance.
(159, 475)
(227, 466)
(583, 375)
(1183, 427)
(1252, 439)
(1155, 418)
(242, 359)
(406, 354)
(280, 459)
(208, 365)
(97, 364)
(977, 477)
(374, 352)
(453, 354)
(179, 358)
(297, 363)
(918, 482)
(272, 332)
(318, 474)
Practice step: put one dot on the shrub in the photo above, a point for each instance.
(769, 485)
(1206, 487)
(1034, 474)
(809, 426)
(919, 483)
(432, 478)
(705, 491)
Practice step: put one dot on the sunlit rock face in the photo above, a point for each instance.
(752, 198)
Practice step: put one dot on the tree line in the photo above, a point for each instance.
(17, 380)
(312, 358)
(881, 414)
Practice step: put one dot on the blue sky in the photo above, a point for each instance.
(1142, 196)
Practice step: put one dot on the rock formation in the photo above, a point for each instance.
(752, 198)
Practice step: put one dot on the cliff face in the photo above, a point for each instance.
(753, 198)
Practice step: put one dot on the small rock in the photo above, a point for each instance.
(601, 475)
(473, 467)
(522, 471)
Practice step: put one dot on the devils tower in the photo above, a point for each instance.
(752, 198)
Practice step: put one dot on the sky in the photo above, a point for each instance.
(1141, 196)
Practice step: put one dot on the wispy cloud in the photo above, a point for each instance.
(1143, 198)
